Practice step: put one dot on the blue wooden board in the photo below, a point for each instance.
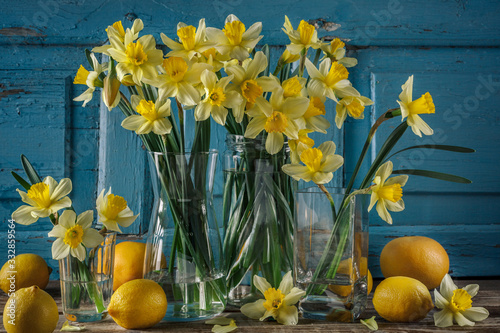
(450, 46)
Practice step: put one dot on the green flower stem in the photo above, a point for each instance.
(93, 290)
(302, 64)
(389, 114)
(180, 111)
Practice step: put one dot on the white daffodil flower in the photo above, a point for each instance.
(247, 82)
(456, 304)
(217, 100)
(179, 79)
(278, 303)
(329, 80)
(234, 40)
(113, 211)
(314, 114)
(151, 117)
(387, 193)
(319, 164)
(88, 78)
(43, 199)
(74, 234)
(278, 117)
(301, 39)
(193, 41)
(412, 109)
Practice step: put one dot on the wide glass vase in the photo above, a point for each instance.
(331, 253)
(87, 286)
(257, 215)
(184, 247)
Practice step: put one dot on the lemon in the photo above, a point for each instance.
(345, 267)
(138, 304)
(30, 310)
(418, 257)
(402, 299)
(30, 270)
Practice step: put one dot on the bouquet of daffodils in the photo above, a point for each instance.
(217, 73)
(76, 239)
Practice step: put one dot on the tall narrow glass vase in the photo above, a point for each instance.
(258, 220)
(331, 253)
(184, 248)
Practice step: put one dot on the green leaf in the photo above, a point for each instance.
(433, 174)
(89, 58)
(30, 171)
(21, 181)
(456, 149)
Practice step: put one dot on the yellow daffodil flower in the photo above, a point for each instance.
(217, 100)
(287, 57)
(117, 33)
(178, 79)
(151, 117)
(278, 117)
(43, 199)
(74, 234)
(277, 303)
(235, 40)
(113, 211)
(138, 58)
(247, 82)
(193, 41)
(387, 193)
(214, 58)
(300, 144)
(319, 164)
(303, 38)
(294, 87)
(330, 79)
(456, 304)
(336, 52)
(313, 116)
(88, 78)
(412, 109)
(352, 105)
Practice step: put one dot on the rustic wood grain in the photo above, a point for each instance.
(488, 297)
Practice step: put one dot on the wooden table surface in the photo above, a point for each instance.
(488, 297)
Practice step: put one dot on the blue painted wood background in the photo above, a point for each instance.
(452, 48)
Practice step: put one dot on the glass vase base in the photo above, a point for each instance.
(339, 303)
(85, 317)
(242, 295)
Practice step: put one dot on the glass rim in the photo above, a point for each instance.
(186, 152)
(331, 189)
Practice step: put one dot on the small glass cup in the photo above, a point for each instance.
(86, 287)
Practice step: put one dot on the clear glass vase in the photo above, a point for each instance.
(258, 220)
(86, 287)
(184, 247)
(331, 254)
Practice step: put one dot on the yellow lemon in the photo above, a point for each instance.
(30, 310)
(402, 299)
(138, 304)
(25, 270)
(370, 283)
(129, 262)
(418, 257)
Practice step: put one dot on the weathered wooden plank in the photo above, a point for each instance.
(365, 22)
(488, 296)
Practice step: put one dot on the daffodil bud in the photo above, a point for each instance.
(111, 91)
(287, 57)
(128, 81)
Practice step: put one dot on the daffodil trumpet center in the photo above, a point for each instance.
(40, 193)
(424, 104)
(392, 192)
(81, 76)
(316, 108)
(274, 299)
(217, 96)
(234, 32)
(187, 36)
(74, 236)
(277, 122)
(119, 27)
(460, 301)
(306, 32)
(355, 109)
(336, 44)
(337, 73)
(135, 53)
(291, 87)
(115, 203)
(250, 89)
(312, 158)
(176, 68)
